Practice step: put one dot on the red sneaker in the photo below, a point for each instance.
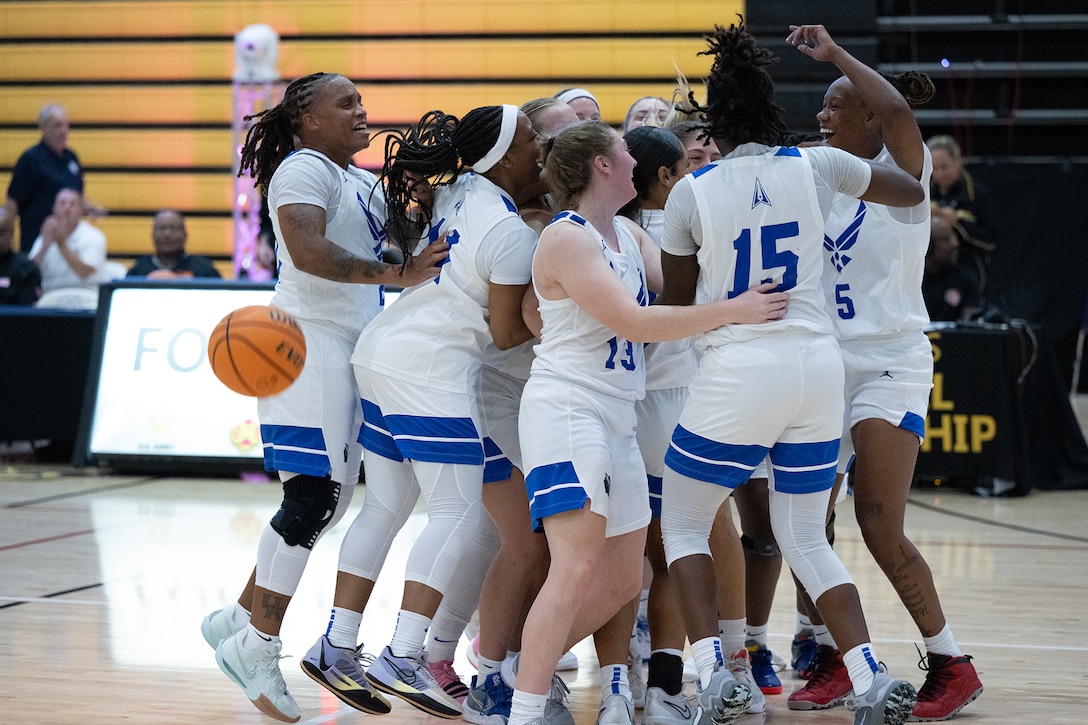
(828, 686)
(951, 683)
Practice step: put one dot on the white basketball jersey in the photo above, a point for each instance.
(875, 260)
(355, 206)
(672, 363)
(436, 332)
(761, 222)
(576, 347)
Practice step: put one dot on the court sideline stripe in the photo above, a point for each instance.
(999, 524)
(83, 492)
(54, 594)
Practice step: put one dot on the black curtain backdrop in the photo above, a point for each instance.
(1040, 268)
(1040, 274)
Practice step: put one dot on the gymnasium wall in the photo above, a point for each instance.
(148, 84)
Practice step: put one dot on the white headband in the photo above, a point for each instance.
(502, 145)
(569, 95)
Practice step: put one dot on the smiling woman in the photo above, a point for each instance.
(328, 218)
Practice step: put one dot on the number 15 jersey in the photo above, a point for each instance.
(758, 216)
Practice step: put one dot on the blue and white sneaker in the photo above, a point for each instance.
(488, 702)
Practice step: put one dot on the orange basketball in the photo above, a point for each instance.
(257, 350)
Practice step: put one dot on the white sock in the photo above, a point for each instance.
(526, 707)
(239, 615)
(803, 623)
(643, 603)
(253, 638)
(823, 635)
(441, 648)
(731, 632)
(943, 643)
(343, 629)
(485, 667)
(707, 654)
(410, 634)
(757, 634)
(861, 664)
(615, 681)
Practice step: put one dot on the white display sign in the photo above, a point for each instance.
(156, 393)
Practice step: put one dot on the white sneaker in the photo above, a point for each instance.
(740, 664)
(724, 699)
(665, 709)
(567, 662)
(888, 701)
(219, 625)
(616, 710)
(257, 672)
(409, 679)
(556, 711)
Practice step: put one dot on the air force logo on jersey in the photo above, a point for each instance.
(759, 195)
(845, 241)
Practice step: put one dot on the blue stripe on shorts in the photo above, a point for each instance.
(437, 439)
(553, 489)
(373, 434)
(654, 483)
(915, 423)
(804, 467)
(295, 449)
(703, 459)
(497, 467)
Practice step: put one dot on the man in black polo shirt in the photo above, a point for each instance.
(41, 172)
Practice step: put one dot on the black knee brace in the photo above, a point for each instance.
(762, 548)
(308, 505)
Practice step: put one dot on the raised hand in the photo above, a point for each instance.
(812, 40)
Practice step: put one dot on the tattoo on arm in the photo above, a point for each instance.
(315, 254)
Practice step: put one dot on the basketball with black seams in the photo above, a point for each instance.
(257, 350)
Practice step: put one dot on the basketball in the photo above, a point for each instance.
(257, 350)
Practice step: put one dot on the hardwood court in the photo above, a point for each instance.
(104, 580)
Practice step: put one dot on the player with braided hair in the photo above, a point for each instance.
(416, 367)
(763, 389)
(873, 281)
(328, 217)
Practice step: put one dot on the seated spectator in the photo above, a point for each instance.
(646, 111)
(71, 255)
(170, 260)
(951, 294)
(582, 101)
(20, 279)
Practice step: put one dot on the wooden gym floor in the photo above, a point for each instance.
(104, 580)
